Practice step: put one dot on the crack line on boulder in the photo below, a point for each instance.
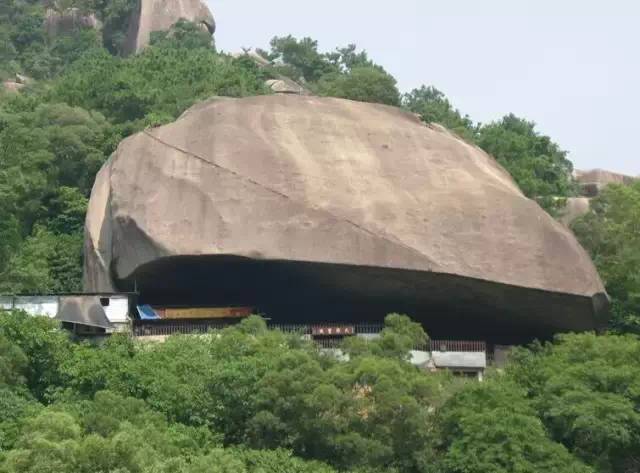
(281, 194)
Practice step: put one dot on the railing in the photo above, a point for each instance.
(142, 329)
(177, 328)
(457, 345)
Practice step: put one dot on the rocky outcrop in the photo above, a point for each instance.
(254, 56)
(591, 184)
(161, 15)
(284, 85)
(66, 21)
(593, 181)
(12, 86)
(280, 84)
(17, 84)
(322, 208)
(575, 208)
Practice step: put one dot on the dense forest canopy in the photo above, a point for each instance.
(250, 399)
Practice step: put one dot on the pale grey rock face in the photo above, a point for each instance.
(591, 184)
(285, 85)
(575, 208)
(61, 22)
(593, 181)
(296, 203)
(161, 15)
(12, 86)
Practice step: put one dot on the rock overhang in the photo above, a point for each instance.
(365, 190)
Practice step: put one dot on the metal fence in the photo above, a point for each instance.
(458, 345)
(146, 329)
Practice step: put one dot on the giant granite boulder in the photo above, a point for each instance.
(315, 208)
(161, 15)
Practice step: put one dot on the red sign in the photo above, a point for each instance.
(332, 330)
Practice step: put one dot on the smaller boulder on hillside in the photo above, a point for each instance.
(593, 181)
(66, 21)
(16, 84)
(284, 85)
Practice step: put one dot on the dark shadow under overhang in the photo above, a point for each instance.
(301, 292)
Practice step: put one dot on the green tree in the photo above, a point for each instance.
(120, 434)
(45, 264)
(45, 345)
(610, 232)
(302, 56)
(434, 107)
(492, 427)
(153, 87)
(66, 209)
(399, 336)
(348, 58)
(13, 363)
(585, 390)
(362, 83)
(537, 164)
(16, 406)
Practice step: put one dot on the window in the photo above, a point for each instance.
(105, 301)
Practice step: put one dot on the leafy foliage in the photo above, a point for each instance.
(611, 234)
(302, 57)
(26, 47)
(54, 139)
(268, 390)
(585, 389)
(344, 73)
(434, 107)
(538, 165)
(44, 346)
(364, 84)
(49, 154)
(493, 427)
(250, 399)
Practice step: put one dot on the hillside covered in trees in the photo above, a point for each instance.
(248, 399)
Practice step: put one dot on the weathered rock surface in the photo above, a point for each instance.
(280, 84)
(161, 15)
(321, 208)
(60, 22)
(254, 56)
(17, 84)
(593, 181)
(284, 85)
(591, 184)
(576, 207)
(12, 86)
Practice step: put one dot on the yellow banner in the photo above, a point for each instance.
(206, 313)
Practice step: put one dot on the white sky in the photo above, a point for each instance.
(572, 66)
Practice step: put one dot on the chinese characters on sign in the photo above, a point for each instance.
(332, 330)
